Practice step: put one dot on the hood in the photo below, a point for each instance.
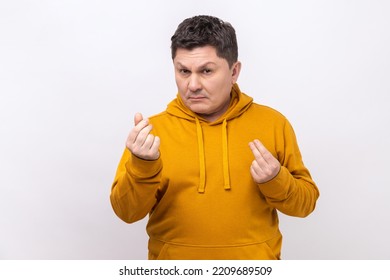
(239, 103)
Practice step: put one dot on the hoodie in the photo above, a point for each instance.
(200, 196)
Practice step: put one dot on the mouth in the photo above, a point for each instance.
(197, 97)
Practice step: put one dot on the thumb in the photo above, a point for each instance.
(137, 118)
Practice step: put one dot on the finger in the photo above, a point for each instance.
(271, 165)
(254, 173)
(133, 135)
(150, 150)
(258, 169)
(155, 146)
(142, 135)
(137, 118)
(148, 142)
(254, 149)
(257, 154)
(265, 154)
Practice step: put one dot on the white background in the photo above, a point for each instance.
(73, 73)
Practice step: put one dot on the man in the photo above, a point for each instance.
(213, 169)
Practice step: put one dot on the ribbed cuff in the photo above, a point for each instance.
(143, 168)
(278, 187)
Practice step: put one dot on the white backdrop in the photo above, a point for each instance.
(73, 73)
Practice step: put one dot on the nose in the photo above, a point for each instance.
(194, 84)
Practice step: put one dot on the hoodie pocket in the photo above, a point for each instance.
(269, 250)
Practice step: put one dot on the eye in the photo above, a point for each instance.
(184, 71)
(207, 71)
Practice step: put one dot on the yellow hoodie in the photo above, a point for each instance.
(200, 196)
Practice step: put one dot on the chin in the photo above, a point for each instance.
(199, 109)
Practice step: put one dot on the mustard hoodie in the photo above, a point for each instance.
(200, 196)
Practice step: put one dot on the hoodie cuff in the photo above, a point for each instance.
(278, 187)
(141, 168)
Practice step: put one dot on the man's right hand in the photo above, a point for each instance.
(140, 142)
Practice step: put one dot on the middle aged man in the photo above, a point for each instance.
(213, 169)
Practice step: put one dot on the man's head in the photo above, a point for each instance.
(204, 53)
(200, 31)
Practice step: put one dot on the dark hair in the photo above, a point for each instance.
(200, 31)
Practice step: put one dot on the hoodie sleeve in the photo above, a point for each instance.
(133, 192)
(292, 191)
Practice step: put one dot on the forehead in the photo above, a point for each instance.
(198, 56)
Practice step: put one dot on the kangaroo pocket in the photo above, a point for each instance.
(269, 250)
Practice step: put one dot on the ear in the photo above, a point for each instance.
(236, 68)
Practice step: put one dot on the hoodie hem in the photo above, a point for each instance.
(167, 250)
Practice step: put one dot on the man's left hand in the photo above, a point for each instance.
(265, 166)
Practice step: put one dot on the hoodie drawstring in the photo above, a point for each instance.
(202, 164)
(226, 177)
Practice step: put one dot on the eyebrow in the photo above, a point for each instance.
(200, 67)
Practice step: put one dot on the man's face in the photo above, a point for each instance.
(204, 81)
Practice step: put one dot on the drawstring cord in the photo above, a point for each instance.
(202, 165)
(225, 156)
